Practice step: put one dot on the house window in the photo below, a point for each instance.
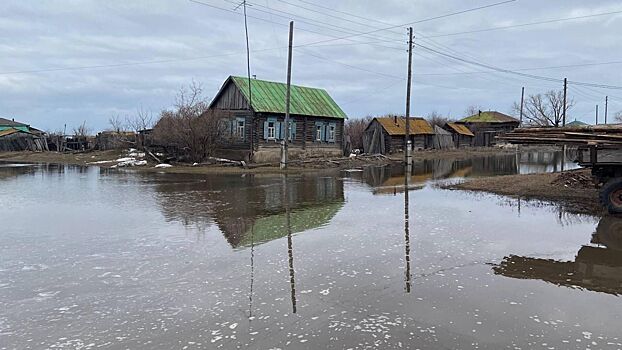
(331, 132)
(271, 130)
(318, 133)
(239, 130)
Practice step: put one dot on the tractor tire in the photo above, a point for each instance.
(611, 196)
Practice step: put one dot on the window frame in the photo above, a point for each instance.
(332, 132)
(271, 130)
(240, 128)
(318, 133)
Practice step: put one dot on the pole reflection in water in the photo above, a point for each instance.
(406, 227)
(290, 250)
(250, 294)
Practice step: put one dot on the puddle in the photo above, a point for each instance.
(98, 258)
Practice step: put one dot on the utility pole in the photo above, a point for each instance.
(407, 143)
(596, 114)
(522, 99)
(250, 90)
(606, 102)
(564, 111)
(287, 98)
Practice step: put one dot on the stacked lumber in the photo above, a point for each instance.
(577, 136)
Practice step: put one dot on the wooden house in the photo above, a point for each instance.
(386, 135)
(255, 122)
(486, 125)
(462, 136)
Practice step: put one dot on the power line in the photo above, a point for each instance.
(421, 20)
(310, 21)
(300, 29)
(503, 70)
(306, 52)
(522, 25)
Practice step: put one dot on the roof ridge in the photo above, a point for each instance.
(276, 82)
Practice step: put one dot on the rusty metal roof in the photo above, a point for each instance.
(489, 117)
(418, 126)
(460, 129)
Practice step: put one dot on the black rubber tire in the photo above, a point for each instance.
(612, 186)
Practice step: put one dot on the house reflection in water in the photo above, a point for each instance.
(596, 268)
(253, 209)
(390, 179)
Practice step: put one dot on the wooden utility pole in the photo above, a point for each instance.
(407, 143)
(606, 102)
(522, 100)
(596, 114)
(564, 110)
(287, 98)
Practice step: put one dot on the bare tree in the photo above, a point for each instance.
(143, 119)
(190, 127)
(472, 110)
(82, 130)
(116, 124)
(354, 129)
(618, 116)
(436, 119)
(544, 109)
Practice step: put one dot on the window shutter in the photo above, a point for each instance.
(292, 131)
(265, 130)
(278, 130)
(325, 132)
(332, 126)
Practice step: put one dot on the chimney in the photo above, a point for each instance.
(479, 113)
(395, 119)
(254, 76)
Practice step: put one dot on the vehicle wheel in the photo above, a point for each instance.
(611, 196)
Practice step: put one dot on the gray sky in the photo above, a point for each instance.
(50, 50)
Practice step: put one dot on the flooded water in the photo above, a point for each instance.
(94, 258)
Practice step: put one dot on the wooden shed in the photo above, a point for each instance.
(462, 136)
(486, 125)
(386, 135)
(256, 129)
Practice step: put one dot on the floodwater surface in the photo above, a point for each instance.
(100, 259)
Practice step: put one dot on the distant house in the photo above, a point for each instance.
(12, 124)
(386, 135)
(256, 129)
(488, 124)
(16, 136)
(462, 136)
(576, 124)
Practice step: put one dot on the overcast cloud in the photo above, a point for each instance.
(364, 74)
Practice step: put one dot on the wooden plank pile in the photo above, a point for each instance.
(572, 136)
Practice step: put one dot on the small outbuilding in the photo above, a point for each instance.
(462, 136)
(487, 125)
(17, 136)
(386, 135)
(576, 124)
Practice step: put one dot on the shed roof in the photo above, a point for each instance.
(269, 97)
(489, 117)
(9, 122)
(460, 129)
(418, 126)
(576, 123)
(11, 131)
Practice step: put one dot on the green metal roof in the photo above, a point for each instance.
(269, 97)
(489, 117)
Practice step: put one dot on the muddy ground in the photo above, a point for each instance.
(573, 189)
